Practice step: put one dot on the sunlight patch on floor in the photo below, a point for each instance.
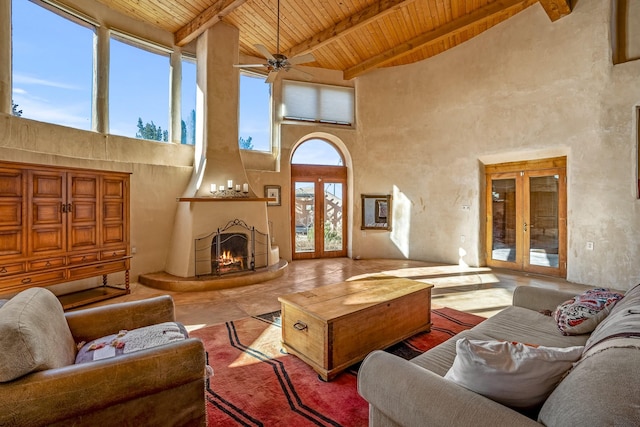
(267, 344)
(483, 302)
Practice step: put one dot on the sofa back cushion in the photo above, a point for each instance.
(622, 321)
(34, 334)
(601, 389)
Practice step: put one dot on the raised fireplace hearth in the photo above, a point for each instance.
(236, 247)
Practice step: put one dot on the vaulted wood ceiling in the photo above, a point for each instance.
(353, 36)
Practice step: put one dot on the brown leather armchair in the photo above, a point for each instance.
(159, 386)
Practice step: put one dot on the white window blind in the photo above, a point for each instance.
(318, 103)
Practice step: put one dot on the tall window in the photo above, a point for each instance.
(188, 101)
(138, 89)
(52, 65)
(318, 103)
(255, 113)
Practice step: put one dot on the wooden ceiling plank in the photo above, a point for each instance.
(437, 35)
(205, 20)
(347, 25)
(556, 9)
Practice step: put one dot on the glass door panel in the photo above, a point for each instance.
(333, 196)
(304, 217)
(503, 217)
(544, 219)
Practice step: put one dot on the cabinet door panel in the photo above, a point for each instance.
(81, 237)
(83, 211)
(46, 217)
(10, 243)
(115, 215)
(12, 211)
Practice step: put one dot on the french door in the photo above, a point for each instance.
(526, 216)
(318, 211)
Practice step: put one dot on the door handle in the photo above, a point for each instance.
(525, 227)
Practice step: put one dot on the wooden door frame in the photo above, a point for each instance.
(319, 174)
(521, 171)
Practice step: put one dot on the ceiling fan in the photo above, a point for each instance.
(277, 62)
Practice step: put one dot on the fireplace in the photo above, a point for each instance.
(234, 248)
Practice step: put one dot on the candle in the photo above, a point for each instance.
(245, 187)
(230, 184)
(237, 187)
(222, 188)
(213, 188)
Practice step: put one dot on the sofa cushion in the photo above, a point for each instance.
(582, 313)
(34, 334)
(601, 390)
(511, 324)
(514, 374)
(622, 321)
(130, 341)
(524, 325)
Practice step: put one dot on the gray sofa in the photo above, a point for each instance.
(602, 388)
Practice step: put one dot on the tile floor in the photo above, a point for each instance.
(483, 291)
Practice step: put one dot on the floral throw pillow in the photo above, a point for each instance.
(582, 313)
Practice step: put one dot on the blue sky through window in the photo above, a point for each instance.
(138, 88)
(52, 66)
(255, 116)
(317, 152)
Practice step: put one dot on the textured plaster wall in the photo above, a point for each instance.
(526, 89)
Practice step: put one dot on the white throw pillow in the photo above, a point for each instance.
(514, 374)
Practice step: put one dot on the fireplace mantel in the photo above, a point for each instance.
(224, 199)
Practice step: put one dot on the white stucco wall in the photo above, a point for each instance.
(528, 88)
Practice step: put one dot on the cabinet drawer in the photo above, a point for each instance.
(112, 254)
(83, 258)
(98, 269)
(8, 269)
(31, 280)
(46, 263)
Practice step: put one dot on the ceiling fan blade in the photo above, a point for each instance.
(249, 65)
(302, 59)
(264, 51)
(298, 72)
(271, 77)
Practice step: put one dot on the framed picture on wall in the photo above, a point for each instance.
(272, 192)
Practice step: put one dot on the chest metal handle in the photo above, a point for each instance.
(300, 326)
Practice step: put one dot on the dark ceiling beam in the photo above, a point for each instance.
(436, 35)
(347, 25)
(556, 9)
(205, 20)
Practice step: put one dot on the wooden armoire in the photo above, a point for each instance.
(60, 225)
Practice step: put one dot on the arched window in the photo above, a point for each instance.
(317, 152)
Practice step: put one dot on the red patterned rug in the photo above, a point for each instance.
(257, 384)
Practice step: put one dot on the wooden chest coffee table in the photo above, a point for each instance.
(334, 326)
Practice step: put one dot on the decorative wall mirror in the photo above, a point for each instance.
(376, 212)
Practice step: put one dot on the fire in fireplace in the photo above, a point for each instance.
(229, 252)
(234, 248)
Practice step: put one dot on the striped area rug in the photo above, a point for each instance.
(257, 384)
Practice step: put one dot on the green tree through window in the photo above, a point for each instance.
(151, 131)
